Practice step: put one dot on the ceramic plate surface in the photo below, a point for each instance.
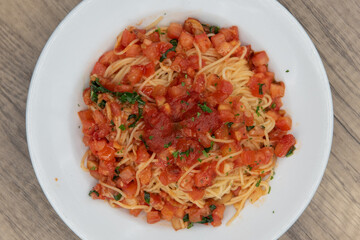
(62, 72)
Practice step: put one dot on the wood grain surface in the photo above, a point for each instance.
(334, 27)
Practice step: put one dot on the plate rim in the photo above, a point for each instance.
(40, 62)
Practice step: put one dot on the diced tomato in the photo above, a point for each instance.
(145, 176)
(226, 116)
(218, 39)
(174, 30)
(207, 174)
(142, 154)
(99, 69)
(276, 104)
(159, 90)
(99, 117)
(87, 121)
(135, 212)
(186, 40)
(260, 58)
(224, 48)
(123, 88)
(149, 69)
(106, 168)
(197, 194)
(107, 154)
(203, 42)
(283, 123)
(135, 74)
(218, 214)
(199, 84)
(152, 52)
(261, 69)
(284, 145)
(239, 133)
(147, 90)
(153, 217)
(173, 173)
(277, 90)
(263, 155)
(127, 37)
(177, 92)
(127, 174)
(115, 109)
(86, 96)
(130, 189)
(167, 212)
(133, 51)
(96, 146)
(259, 84)
(231, 33)
(154, 37)
(276, 135)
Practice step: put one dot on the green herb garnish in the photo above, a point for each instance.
(117, 197)
(290, 152)
(260, 88)
(205, 108)
(167, 145)
(248, 128)
(93, 191)
(258, 183)
(147, 197)
(164, 55)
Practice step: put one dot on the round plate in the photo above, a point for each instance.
(62, 72)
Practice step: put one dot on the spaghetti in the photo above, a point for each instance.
(182, 121)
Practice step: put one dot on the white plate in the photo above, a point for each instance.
(62, 71)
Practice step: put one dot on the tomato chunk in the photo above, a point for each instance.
(186, 40)
(174, 30)
(284, 145)
(153, 217)
(283, 123)
(260, 58)
(203, 42)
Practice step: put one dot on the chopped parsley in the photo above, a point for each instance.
(212, 207)
(182, 84)
(175, 154)
(229, 124)
(117, 197)
(198, 114)
(112, 123)
(190, 225)
(93, 191)
(143, 140)
(214, 29)
(290, 152)
(273, 105)
(258, 183)
(93, 168)
(167, 145)
(122, 127)
(248, 128)
(205, 153)
(260, 88)
(193, 119)
(209, 148)
(207, 219)
(199, 160)
(186, 217)
(257, 111)
(205, 108)
(249, 167)
(287, 70)
(164, 55)
(117, 170)
(147, 197)
(269, 189)
(186, 76)
(151, 137)
(102, 104)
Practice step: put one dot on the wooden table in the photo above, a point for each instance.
(334, 27)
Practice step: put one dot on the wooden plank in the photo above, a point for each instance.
(334, 27)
